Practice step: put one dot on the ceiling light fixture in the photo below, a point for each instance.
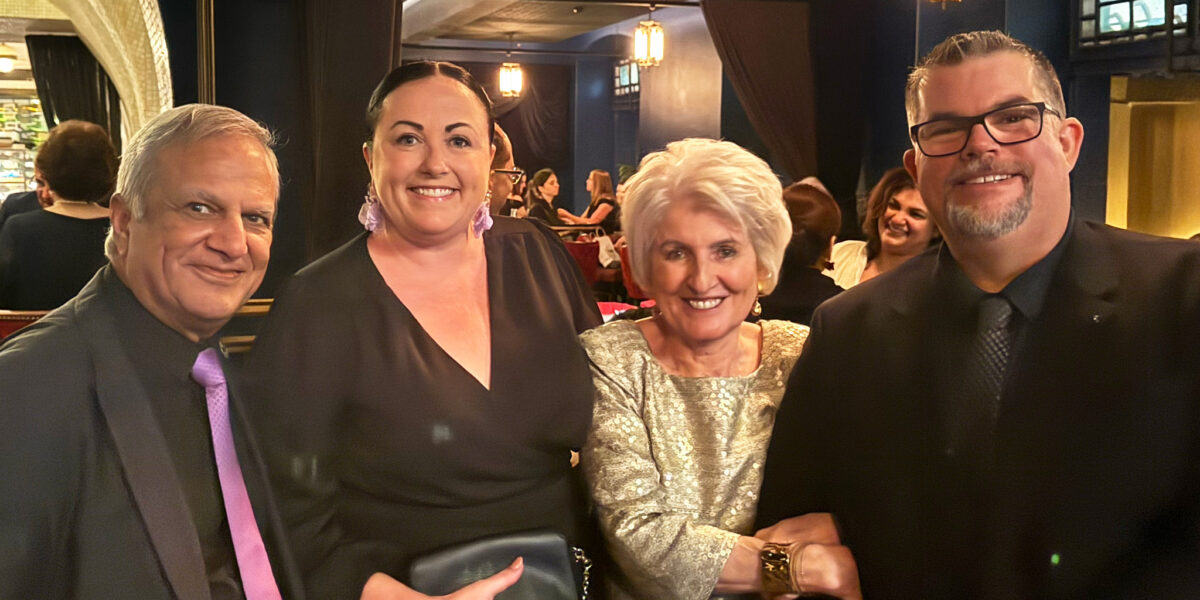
(944, 2)
(512, 80)
(8, 58)
(648, 41)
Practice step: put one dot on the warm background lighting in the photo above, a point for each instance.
(648, 40)
(8, 58)
(511, 80)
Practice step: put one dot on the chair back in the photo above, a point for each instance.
(631, 286)
(587, 254)
(12, 320)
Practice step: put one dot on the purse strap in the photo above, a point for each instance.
(586, 563)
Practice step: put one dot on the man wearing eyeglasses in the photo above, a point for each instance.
(1015, 414)
(504, 177)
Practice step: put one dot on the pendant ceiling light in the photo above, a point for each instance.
(944, 2)
(8, 58)
(512, 80)
(648, 40)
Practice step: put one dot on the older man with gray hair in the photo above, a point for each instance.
(126, 468)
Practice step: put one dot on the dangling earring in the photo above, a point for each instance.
(757, 310)
(482, 221)
(369, 214)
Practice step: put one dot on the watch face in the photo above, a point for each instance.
(774, 552)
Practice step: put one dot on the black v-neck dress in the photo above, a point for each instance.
(383, 447)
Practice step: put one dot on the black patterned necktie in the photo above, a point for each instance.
(983, 379)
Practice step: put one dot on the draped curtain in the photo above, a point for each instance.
(127, 38)
(764, 49)
(71, 84)
(800, 69)
(348, 52)
(538, 122)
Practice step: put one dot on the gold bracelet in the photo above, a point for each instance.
(776, 569)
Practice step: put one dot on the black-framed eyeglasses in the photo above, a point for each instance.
(1007, 125)
(514, 174)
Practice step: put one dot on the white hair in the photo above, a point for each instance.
(181, 126)
(719, 176)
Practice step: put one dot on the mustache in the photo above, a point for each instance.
(984, 166)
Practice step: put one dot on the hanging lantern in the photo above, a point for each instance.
(511, 80)
(8, 58)
(648, 42)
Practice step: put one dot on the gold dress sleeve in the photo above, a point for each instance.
(675, 463)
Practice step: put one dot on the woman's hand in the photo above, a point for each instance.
(565, 215)
(383, 587)
(812, 528)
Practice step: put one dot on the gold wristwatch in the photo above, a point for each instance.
(776, 569)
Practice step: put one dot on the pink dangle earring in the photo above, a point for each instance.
(482, 221)
(369, 214)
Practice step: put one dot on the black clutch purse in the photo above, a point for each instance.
(548, 572)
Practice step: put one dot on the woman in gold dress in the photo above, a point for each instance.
(686, 399)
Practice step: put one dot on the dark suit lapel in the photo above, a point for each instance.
(142, 449)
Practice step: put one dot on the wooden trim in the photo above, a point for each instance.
(206, 84)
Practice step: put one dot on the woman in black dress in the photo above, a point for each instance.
(423, 386)
(539, 197)
(602, 210)
(802, 286)
(46, 256)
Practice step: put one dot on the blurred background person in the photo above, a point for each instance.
(423, 386)
(540, 195)
(897, 227)
(816, 219)
(46, 256)
(503, 178)
(686, 399)
(19, 202)
(602, 210)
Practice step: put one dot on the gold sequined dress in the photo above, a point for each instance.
(675, 463)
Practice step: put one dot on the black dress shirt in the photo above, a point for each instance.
(163, 360)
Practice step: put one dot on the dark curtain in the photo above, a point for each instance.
(538, 122)
(764, 49)
(800, 69)
(71, 84)
(348, 52)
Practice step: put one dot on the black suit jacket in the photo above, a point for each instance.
(17, 203)
(90, 502)
(1095, 491)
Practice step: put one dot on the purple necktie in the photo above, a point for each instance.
(257, 580)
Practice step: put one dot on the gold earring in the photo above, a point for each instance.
(757, 310)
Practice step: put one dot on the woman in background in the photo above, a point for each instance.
(603, 209)
(423, 386)
(46, 256)
(540, 195)
(897, 227)
(686, 399)
(816, 219)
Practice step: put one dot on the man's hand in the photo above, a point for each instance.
(812, 528)
(825, 569)
(383, 587)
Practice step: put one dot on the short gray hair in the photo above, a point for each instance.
(720, 176)
(181, 125)
(959, 47)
